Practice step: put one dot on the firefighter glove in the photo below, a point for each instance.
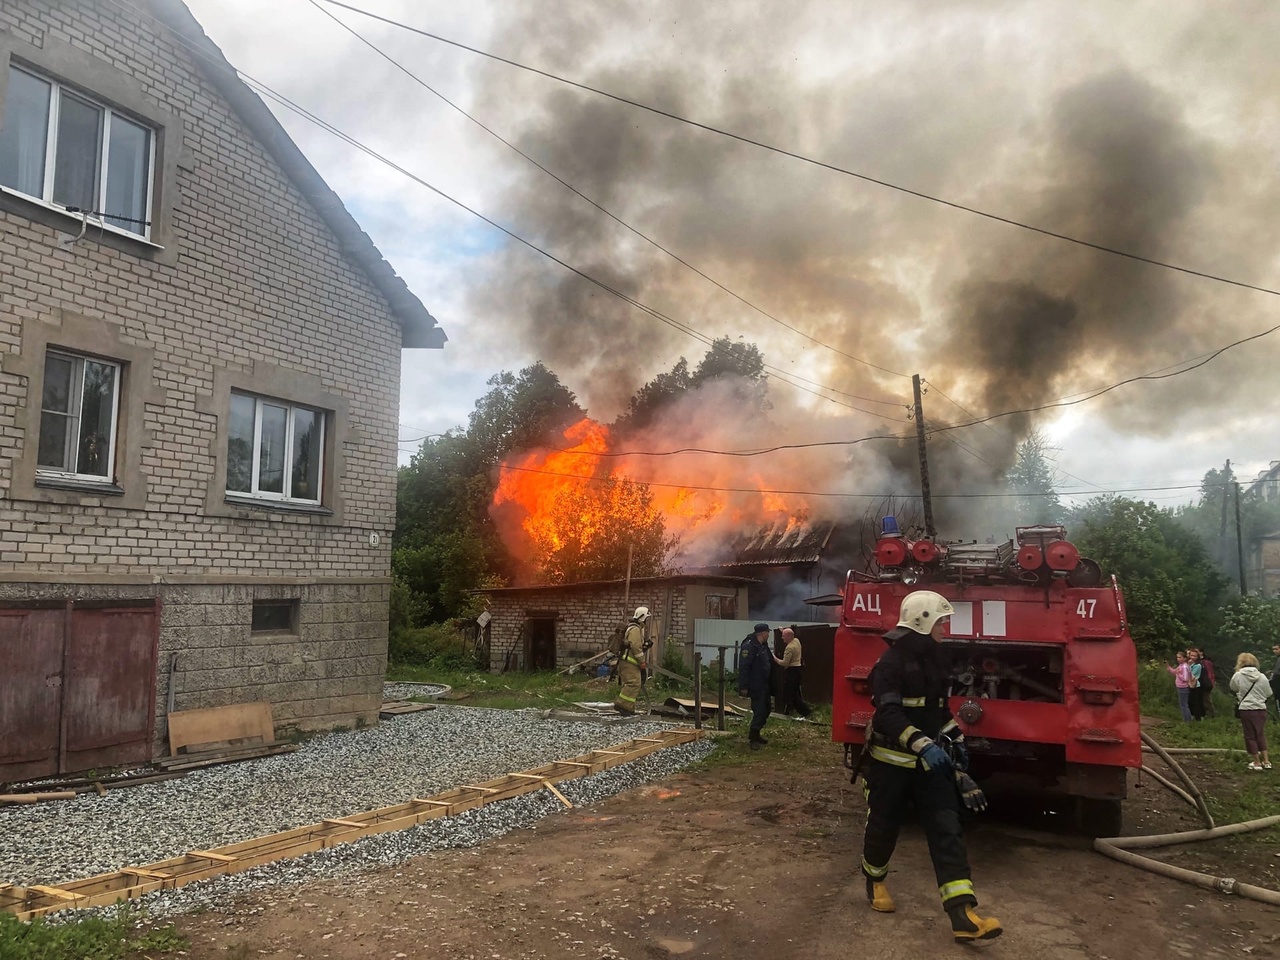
(960, 755)
(935, 758)
(970, 793)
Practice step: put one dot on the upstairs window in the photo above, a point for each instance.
(275, 450)
(63, 148)
(79, 408)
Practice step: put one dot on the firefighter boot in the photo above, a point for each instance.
(967, 925)
(878, 894)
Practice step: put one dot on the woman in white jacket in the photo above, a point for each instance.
(1252, 689)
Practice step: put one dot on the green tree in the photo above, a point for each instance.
(592, 528)
(1250, 625)
(1032, 479)
(737, 365)
(1213, 519)
(445, 542)
(1172, 590)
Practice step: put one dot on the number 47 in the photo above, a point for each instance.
(1086, 608)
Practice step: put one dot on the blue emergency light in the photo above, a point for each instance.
(889, 527)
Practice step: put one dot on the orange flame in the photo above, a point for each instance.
(726, 500)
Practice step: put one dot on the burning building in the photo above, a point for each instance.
(554, 625)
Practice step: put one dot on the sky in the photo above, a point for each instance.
(1144, 127)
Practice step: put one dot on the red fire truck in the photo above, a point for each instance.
(1043, 670)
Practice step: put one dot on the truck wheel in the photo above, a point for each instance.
(1099, 818)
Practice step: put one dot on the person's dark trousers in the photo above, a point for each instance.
(792, 700)
(761, 707)
(892, 792)
(1196, 702)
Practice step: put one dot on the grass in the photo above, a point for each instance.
(116, 936)
(544, 689)
(1232, 793)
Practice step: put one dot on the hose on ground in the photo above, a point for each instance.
(1182, 750)
(1192, 789)
(1166, 782)
(1119, 848)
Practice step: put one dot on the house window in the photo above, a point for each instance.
(79, 408)
(722, 607)
(66, 149)
(275, 616)
(275, 450)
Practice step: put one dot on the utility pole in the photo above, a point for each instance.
(925, 494)
(1222, 529)
(1239, 541)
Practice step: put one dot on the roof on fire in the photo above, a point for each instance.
(779, 544)
(715, 580)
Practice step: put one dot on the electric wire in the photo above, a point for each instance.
(741, 138)
(264, 90)
(839, 494)
(1055, 404)
(644, 308)
(608, 213)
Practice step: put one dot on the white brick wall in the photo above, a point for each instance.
(259, 277)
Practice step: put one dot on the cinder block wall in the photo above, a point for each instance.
(251, 279)
(585, 617)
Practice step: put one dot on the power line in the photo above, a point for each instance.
(1205, 358)
(644, 308)
(284, 101)
(841, 494)
(608, 213)
(932, 198)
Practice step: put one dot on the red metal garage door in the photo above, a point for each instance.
(30, 691)
(108, 705)
(83, 688)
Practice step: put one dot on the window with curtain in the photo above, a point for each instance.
(275, 450)
(79, 409)
(64, 148)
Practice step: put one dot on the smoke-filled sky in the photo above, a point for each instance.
(1149, 127)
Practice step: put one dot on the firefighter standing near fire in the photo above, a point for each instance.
(630, 659)
(911, 768)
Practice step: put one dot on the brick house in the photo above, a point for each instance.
(555, 625)
(199, 389)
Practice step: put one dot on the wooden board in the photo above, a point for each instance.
(132, 882)
(707, 705)
(237, 721)
(395, 708)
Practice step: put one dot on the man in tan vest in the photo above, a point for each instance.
(792, 668)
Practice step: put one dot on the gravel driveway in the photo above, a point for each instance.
(330, 776)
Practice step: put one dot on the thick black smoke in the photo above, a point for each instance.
(1131, 139)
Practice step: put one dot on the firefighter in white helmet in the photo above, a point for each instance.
(909, 768)
(630, 660)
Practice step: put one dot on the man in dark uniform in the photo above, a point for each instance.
(910, 769)
(755, 665)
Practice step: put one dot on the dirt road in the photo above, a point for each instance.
(756, 859)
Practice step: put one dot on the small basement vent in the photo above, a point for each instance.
(275, 616)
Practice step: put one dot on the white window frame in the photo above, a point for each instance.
(51, 155)
(253, 493)
(75, 402)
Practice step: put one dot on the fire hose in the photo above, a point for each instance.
(1118, 848)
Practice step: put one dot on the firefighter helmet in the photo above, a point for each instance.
(642, 614)
(922, 609)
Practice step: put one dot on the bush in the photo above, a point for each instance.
(439, 646)
(673, 658)
(93, 938)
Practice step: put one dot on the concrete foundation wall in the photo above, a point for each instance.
(327, 672)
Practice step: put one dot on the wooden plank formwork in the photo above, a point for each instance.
(132, 882)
